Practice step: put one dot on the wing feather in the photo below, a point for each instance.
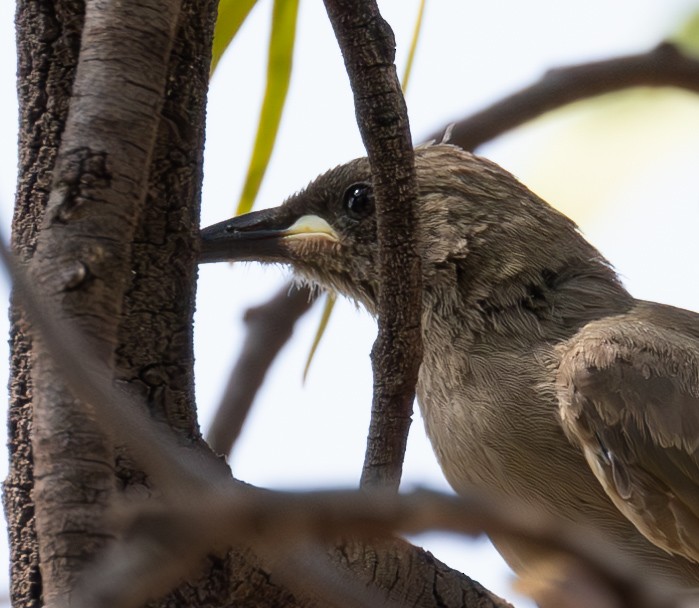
(628, 393)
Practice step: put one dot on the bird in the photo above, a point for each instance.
(543, 381)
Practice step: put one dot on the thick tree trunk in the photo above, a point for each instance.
(48, 40)
(120, 263)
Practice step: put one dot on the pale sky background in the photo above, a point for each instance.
(624, 169)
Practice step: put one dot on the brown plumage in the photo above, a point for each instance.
(543, 380)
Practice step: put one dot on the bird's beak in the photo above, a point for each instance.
(261, 235)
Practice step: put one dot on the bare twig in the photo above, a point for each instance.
(269, 327)
(275, 522)
(368, 48)
(663, 66)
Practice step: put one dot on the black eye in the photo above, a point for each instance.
(358, 201)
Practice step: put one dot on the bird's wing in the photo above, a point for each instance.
(628, 392)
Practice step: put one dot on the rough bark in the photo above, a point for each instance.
(48, 40)
(106, 165)
(81, 262)
(368, 48)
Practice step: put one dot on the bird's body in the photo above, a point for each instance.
(516, 447)
(543, 381)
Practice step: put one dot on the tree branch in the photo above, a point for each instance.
(45, 73)
(368, 48)
(279, 523)
(663, 66)
(269, 326)
(155, 355)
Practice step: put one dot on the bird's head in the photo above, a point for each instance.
(477, 226)
(327, 232)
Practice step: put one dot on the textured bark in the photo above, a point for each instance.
(411, 577)
(368, 48)
(81, 263)
(155, 353)
(83, 252)
(48, 41)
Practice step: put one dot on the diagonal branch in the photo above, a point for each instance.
(663, 66)
(269, 327)
(278, 524)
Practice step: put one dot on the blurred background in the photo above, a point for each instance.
(623, 166)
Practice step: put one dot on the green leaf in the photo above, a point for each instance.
(279, 63)
(327, 311)
(231, 15)
(687, 37)
(413, 45)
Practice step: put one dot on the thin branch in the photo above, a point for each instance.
(368, 48)
(277, 523)
(269, 326)
(663, 66)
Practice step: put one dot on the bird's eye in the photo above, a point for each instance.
(358, 201)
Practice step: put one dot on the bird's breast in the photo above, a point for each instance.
(493, 424)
